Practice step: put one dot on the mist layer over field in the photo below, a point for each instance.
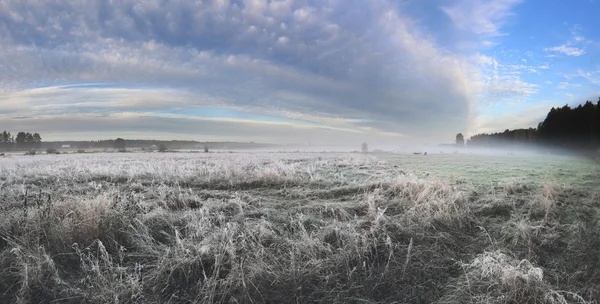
(298, 228)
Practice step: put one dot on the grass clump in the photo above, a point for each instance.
(496, 277)
(418, 202)
(30, 275)
(162, 147)
(52, 151)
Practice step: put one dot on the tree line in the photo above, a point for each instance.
(147, 143)
(576, 129)
(23, 140)
(517, 137)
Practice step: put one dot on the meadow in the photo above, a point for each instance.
(299, 228)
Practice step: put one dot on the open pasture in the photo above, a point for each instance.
(500, 168)
(298, 228)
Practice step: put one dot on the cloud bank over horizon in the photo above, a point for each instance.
(285, 71)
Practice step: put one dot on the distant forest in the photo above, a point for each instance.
(575, 129)
(147, 143)
(23, 140)
(27, 141)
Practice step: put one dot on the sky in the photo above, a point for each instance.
(293, 71)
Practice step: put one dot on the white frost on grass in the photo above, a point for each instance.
(418, 201)
(171, 167)
(496, 277)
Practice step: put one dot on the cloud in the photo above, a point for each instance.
(84, 98)
(483, 17)
(502, 83)
(592, 77)
(353, 68)
(153, 125)
(509, 89)
(576, 35)
(574, 46)
(566, 50)
(563, 85)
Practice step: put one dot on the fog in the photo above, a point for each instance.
(446, 150)
(417, 150)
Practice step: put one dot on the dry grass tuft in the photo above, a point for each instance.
(418, 202)
(496, 277)
(545, 202)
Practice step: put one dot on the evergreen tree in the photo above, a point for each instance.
(460, 140)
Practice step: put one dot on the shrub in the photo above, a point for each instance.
(162, 148)
(52, 151)
(81, 151)
(31, 152)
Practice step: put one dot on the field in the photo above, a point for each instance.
(299, 228)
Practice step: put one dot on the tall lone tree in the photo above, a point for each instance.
(460, 140)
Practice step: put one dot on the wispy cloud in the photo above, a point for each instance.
(566, 50)
(592, 77)
(577, 36)
(575, 46)
(563, 85)
(484, 17)
(166, 126)
(503, 83)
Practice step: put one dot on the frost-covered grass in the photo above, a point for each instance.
(502, 168)
(291, 227)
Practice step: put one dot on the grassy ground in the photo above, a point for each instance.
(298, 228)
(490, 170)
